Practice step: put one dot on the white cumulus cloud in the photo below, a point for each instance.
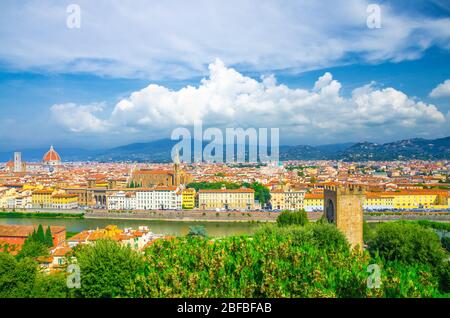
(226, 98)
(80, 118)
(442, 90)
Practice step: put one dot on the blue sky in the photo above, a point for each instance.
(135, 70)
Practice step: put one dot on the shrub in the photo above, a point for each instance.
(408, 243)
(368, 232)
(443, 271)
(400, 280)
(289, 218)
(50, 286)
(325, 236)
(445, 241)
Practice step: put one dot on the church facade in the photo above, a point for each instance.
(148, 178)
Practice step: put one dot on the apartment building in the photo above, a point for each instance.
(227, 199)
(313, 202)
(121, 200)
(159, 198)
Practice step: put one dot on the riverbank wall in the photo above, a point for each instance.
(187, 215)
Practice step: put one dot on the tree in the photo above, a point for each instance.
(368, 232)
(40, 235)
(33, 249)
(408, 243)
(19, 278)
(292, 217)
(262, 193)
(49, 237)
(16, 276)
(445, 240)
(108, 269)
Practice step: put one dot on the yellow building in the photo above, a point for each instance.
(228, 199)
(407, 200)
(42, 199)
(420, 199)
(277, 199)
(290, 199)
(64, 201)
(33, 187)
(378, 201)
(188, 198)
(313, 202)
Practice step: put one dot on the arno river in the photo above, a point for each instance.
(162, 227)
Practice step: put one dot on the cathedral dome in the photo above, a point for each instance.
(52, 157)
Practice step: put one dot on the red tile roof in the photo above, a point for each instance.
(25, 230)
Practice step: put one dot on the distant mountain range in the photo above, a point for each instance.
(416, 148)
(159, 151)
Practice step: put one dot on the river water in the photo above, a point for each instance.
(160, 227)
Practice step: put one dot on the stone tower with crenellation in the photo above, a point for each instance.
(343, 206)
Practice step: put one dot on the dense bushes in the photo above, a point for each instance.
(293, 261)
(409, 243)
(412, 244)
(401, 280)
(276, 262)
(292, 217)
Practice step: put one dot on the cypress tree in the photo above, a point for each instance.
(40, 234)
(49, 237)
(32, 236)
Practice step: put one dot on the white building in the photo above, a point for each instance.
(121, 200)
(136, 239)
(19, 202)
(158, 198)
(139, 239)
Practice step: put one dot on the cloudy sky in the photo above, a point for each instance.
(135, 70)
